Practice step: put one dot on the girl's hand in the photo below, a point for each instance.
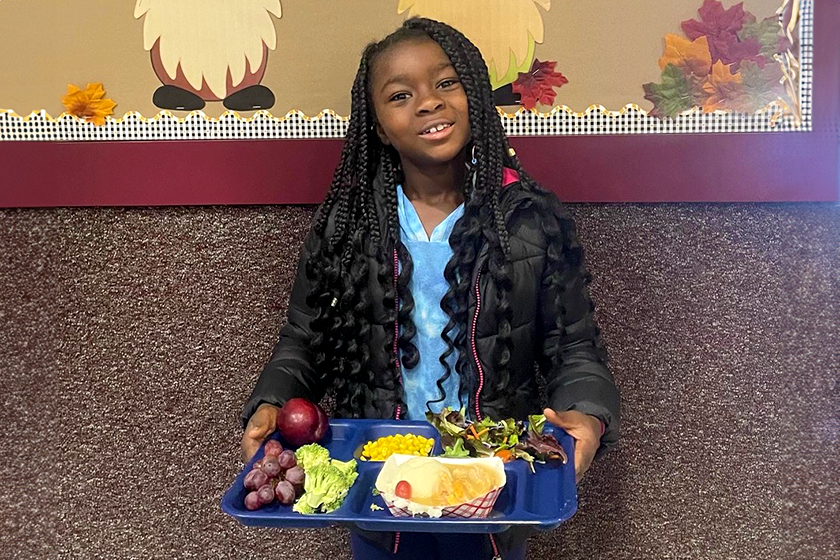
(585, 429)
(261, 425)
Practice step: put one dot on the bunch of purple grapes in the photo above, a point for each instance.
(275, 476)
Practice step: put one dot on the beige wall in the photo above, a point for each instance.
(607, 49)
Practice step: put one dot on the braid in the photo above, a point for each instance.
(410, 355)
(344, 228)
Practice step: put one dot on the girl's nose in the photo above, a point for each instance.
(430, 103)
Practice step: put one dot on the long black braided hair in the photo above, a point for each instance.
(350, 238)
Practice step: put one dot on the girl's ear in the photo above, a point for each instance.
(381, 133)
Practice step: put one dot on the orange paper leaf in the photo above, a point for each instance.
(89, 103)
(691, 55)
(725, 89)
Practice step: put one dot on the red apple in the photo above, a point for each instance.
(301, 422)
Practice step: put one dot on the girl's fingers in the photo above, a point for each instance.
(249, 448)
(561, 420)
(584, 453)
(579, 426)
(578, 465)
(259, 427)
(252, 440)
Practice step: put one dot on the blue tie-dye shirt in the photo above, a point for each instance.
(428, 286)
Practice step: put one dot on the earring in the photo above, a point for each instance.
(470, 165)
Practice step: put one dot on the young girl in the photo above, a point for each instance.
(438, 273)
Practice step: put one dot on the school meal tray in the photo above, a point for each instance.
(541, 499)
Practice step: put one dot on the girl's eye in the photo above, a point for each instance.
(449, 82)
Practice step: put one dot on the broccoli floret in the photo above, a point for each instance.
(311, 455)
(302, 506)
(325, 487)
(332, 506)
(327, 480)
(347, 468)
(351, 478)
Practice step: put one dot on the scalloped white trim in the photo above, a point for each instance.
(562, 121)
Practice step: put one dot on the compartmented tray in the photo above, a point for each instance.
(543, 499)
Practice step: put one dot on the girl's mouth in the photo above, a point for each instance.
(437, 132)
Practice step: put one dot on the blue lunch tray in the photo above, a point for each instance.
(543, 499)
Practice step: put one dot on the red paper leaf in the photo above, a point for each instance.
(731, 51)
(721, 26)
(715, 20)
(537, 85)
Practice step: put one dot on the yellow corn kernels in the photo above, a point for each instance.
(404, 444)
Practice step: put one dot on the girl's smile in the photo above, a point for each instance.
(437, 131)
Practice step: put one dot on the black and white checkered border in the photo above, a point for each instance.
(166, 126)
(806, 61)
(596, 120)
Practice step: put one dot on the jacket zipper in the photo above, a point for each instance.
(473, 347)
(396, 349)
(397, 357)
(496, 555)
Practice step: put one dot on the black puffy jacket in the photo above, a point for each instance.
(582, 381)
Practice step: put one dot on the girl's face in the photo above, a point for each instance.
(414, 88)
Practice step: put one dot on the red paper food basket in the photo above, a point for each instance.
(478, 508)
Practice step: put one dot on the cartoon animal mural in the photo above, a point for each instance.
(210, 50)
(505, 31)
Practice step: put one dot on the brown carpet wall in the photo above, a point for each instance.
(129, 339)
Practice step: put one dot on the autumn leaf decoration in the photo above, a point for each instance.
(89, 103)
(537, 85)
(693, 56)
(724, 88)
(726, 63)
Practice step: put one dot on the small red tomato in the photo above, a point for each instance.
(403, 490)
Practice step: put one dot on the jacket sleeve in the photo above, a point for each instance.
(581, 380)
(290, 372)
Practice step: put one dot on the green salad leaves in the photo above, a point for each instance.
(507, 439)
